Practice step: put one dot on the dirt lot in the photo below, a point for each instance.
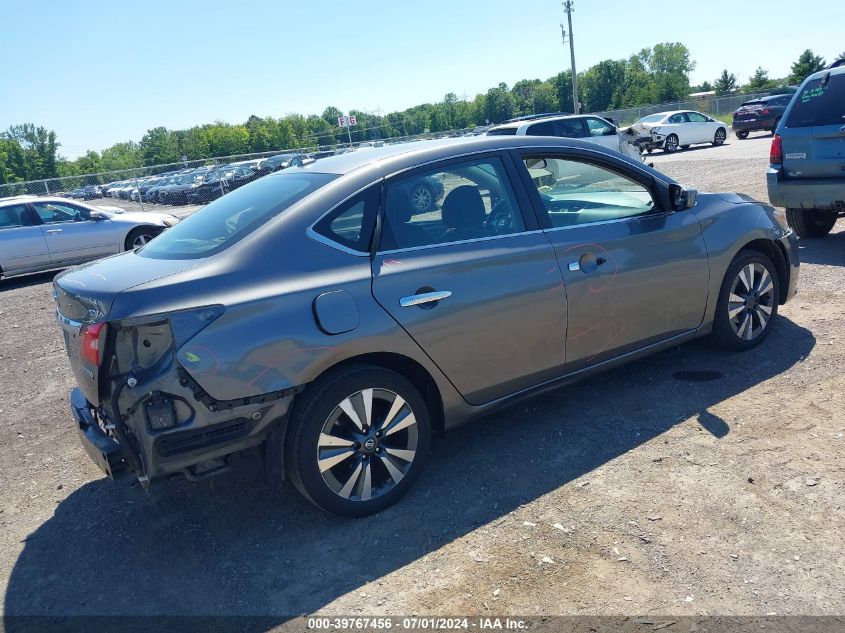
(693, 482)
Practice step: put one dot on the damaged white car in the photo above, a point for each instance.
(585, 127)
(675, 130)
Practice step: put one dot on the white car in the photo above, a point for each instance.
(585, 127)
(678, 129)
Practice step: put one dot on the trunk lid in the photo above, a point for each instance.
(84, 295)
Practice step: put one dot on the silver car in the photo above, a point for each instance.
(315, 313)
(40, 233)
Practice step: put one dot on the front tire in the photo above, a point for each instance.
(810, 223)
(422, 199)
(671, 143)
(358, 438)
(140, 236)
(748, 302)
(719, 137)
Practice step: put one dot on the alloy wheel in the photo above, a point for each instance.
(421, 199)
(720, 137)
(141, 239)
(751, 301)
(671, 143)
(367, 444)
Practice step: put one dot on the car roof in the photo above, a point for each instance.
(418, 152)
(540, 119)
(32, 198)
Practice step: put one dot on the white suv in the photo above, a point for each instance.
(586, 127)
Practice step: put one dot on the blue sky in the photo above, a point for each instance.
(103, 72)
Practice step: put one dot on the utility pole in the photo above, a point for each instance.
(567, 6)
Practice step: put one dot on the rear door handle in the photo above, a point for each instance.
(52, 231)
(425, 297)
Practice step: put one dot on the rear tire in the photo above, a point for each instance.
(742, 135)
(719, 137)
(748, 302)
(810, 223)
(378, 464)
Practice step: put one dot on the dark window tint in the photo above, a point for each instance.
(546, 128)
(12, 216)
(231, 217)
(351, 224)
(817, 104)
(502, 131)
(570, 128)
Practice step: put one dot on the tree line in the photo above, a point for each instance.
(659, 74)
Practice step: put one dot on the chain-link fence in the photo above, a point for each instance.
(200, 181)
(186, 182)
(710, 104)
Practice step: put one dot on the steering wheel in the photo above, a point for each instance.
(501, 216)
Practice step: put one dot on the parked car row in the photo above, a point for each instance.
(197, 185)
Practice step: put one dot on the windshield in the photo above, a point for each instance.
(652, 118)
(233, 216)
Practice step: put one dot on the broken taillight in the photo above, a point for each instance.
(92, 338)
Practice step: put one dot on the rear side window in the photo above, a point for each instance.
(351, 224)
(817, 104)
(502, 131)
(12, 216)
(233, 216)
(546, 128)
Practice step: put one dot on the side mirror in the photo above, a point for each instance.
(97, 216)
(682, 198)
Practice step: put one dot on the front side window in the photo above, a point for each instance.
(460, 201)
(597, 127)
(231, 217)
(54, 213)
(575, 192)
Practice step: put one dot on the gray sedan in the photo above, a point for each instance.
(316, 314)
(40, 233)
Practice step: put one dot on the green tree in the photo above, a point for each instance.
(39, 147)
(498, 104)
(725, 84)
(807, 64)
(759, 81)
(596, 85)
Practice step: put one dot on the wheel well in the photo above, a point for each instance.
(774, 251)
(411, 370)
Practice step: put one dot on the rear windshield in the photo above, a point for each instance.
(817, 104)
(233, 216)
(502, 131)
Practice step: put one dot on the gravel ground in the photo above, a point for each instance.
(693, 482)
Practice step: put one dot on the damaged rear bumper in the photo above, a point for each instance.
(101, 448)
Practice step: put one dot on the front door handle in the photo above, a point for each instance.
(425, 297)
(52, 231)
(587, 263)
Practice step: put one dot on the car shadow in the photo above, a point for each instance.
(233, 546)
(828, 251)
(25, 281)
